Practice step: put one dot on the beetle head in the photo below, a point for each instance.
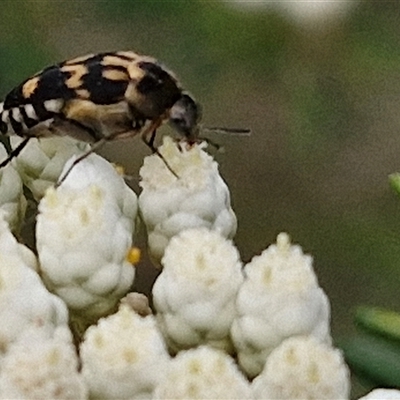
(184, 117)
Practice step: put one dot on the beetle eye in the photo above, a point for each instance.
(185, 115)
(181, 125)
(177, 121)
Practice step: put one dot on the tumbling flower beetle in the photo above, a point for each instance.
(99, 98)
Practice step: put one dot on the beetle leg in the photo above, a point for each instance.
(150, 143)
(15, 152)
(148, 137)
(95, 146)
(151, 140)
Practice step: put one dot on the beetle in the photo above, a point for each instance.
(98, 98)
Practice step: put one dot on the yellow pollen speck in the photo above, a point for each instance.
(30, 86)
(133, 255)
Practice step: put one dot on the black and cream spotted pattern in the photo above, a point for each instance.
(100, 96)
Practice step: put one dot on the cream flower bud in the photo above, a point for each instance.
(203, 373)
(382, 394)
(123, 356)
(24, 301)
(279, 298)
(303, 368)
(12, 199)
(197, 198)
(195, 293)
(42, 160)
(84, 236)
(42, 367)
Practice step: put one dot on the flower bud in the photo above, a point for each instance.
(42, 160)
(195, 294)
(196, 196)
(25, 303)
(203, 373)
(279, 298)
(84, 237)
(42, 367)
(123, 356)
(303, 368)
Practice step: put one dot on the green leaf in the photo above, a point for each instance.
(373, 359)
(394, 181)
(379, 321)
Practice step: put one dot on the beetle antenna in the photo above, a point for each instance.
(224, 131)
(227, 131)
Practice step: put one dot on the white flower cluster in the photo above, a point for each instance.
(195, 294)
(198, 198)
(123, 356)
(216, 325)
(40, 163)
(280, 296)
(84, 235)
(37, 358)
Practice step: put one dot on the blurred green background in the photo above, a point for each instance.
(318, 84)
